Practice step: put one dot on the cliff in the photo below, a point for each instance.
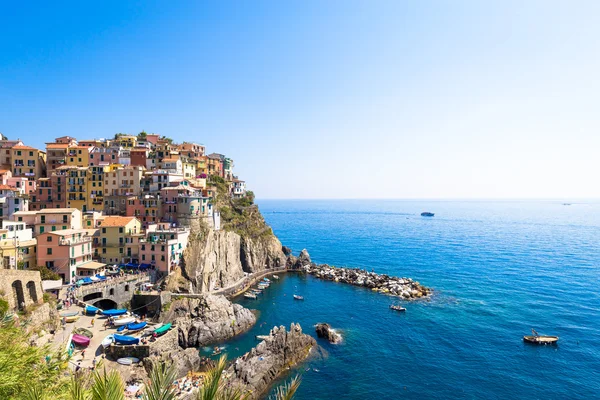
(256, 370)
(214, 259)
(207, 320)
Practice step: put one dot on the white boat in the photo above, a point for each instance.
(296, 297)
(124, 321)
(128, 360)
(275, 277)
(107, 341)
(250, 295)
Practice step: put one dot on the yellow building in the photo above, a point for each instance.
(28, 162)
(76, 187)
(118, 239)
(201, 165)
(123, 181)
(95, 187)
(127, 141)
(17, 246)
(78, 156)
(189, 167)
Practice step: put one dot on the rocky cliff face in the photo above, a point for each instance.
(221, 258)
(256, 370)
(207, 320)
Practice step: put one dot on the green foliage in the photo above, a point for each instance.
(3, 307)
(45, 273)
(288, 391)
(142, 135)
(107, 386)
(214, 388)
(160, 383)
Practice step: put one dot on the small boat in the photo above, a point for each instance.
(83, 332)
(121, 328)
(114, 313)
(397, 308)
(162, 329)
(296, 297)
(427, 214)
(80, 340)
(536, 338)
(217, 350)
(136, 326)
(275, 277)
(262, 337)
(91, 310)
(250, 295)
(107, 341)
(72, 318)
(124, 339)
(266, 280)
(124, 321)
(69, 314)
(128, 360)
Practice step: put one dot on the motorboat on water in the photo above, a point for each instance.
(397, 308)
(536, 338)
(250, 295)
(297, 297)
(427, 214)
(276, 277)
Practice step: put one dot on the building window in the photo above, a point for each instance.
(49, 238)
(49, 251)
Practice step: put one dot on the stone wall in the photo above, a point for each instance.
(20, 288)
(149, 304)
(165, 343)
(119, 290)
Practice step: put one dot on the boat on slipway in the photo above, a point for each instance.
(114, 313)
(83, 332)
(91, 310)
(125, 339)
(72, 318)
(69, 314)
(107, 341)
(136, 326)
(128, 360)
(162, 329)
(124, 321)
(80, 340)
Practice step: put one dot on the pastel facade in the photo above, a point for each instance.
(118, 239)
(163, 246)
(28, 162)
(65, 251)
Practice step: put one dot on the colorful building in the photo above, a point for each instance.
(67, 252)
(118, 239)
(28, 162)
(163, 246)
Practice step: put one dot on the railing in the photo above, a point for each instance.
(72, 241)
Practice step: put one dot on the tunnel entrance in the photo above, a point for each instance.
(106, 304)
(92, 296)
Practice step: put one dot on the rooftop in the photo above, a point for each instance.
(115, 221)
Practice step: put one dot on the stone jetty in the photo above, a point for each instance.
(405, 288)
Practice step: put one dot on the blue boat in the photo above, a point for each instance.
(114, 313)
(121, 328)
(137, 327)
(91, 310)
(124, 339)
(427, 214)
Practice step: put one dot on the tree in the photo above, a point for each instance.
(46, 274)
(142, 135)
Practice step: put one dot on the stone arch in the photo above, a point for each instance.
(106, 304)
(111, 292)
(32, 290)
(18, 294)
(92, 296)
(127, 288)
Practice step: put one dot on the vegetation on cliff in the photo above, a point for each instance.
(239, 215)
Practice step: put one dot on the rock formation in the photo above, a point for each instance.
(256, 370)
(210, 319)
(325, 331)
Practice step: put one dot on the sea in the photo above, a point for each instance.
(497, 268)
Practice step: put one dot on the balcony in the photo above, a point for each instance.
(74, 241)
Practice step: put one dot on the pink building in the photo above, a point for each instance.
(163, 246)
(22, 184)
(67, 252)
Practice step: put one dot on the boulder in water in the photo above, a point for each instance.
(325, 331)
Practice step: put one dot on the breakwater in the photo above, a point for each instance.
(405, 288)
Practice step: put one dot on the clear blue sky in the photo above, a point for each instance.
(325, 99)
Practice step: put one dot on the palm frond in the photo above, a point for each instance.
(77, 387)
(107, 386)
(160, 383)
(212, 382)
(288, 391)
(35, 392)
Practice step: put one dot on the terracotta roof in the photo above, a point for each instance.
(115, 221)
(6, 187)
(24, 148)
(57, 145)
(169, 159)
(2, 171)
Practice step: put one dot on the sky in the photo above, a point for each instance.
(324, 99)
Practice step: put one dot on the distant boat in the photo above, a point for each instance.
(72, 318)
(296, 297)
(69, 314)
(427, 214)
(80, 340)
(124, 339)
(397, 308)
(275, 277)
(540, 339)
(83, 332)
(250, 295)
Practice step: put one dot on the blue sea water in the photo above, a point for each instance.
(498, 269)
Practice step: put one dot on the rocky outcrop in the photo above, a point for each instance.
(325, 331)
(213, 261)
(256, 370)
(220, 258)
(206, 320)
